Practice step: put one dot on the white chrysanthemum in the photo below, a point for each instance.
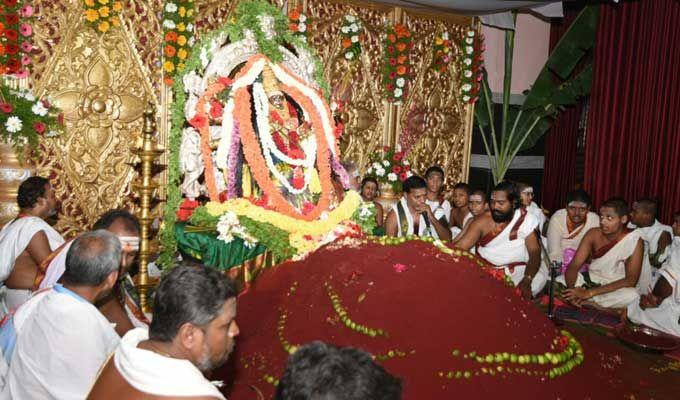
(392, 177)
(28, 95)
(303, 18)
(380, 172)
(345, 29)
(398, 92)
(409, 174)
(468, 73)
(168, 23)
(171, 7)
(469, 40)
(405, 162)
(349, 55)
(401, 82)
(369, 171)
(469, 49)
(386, 163)
(445, 35)
(365, 212)
(376, 165)
(13, 124)
(51, 134)
(302, 27)
(466, 87)
(471, 33)
(191, 41)
(354, 27)
(227, 226)
(355, 39)
(190, 27)
(467, 61)
(466, 98)
(350, 18)
(39, 109)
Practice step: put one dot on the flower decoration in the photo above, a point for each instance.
(397, 67)
(389, 166)
(298, 23)
(102, 14)
(24, 119)
(471, 63)
(442, 50)
(364, 216)
(15, 38)
(178, 36)
(351, 32)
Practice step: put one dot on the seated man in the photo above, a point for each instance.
(479, 205)
(120, 307)
(527, 195)
(507, 239)
(412, 216)
(57, 341)
(661, 308)
(192, 332)
(369, 193)
(569, 225)
(26, 241)
(656, 235)
(321, 371)
(616, 261)
(441, 208)
(460, 213)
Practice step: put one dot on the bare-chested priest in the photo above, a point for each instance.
(656, 235)
(507, 239)
(412, 216)
(616, 261)
(26, 241)
(460, 213)
(193, 331)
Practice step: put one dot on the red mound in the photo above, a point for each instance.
(441, 323)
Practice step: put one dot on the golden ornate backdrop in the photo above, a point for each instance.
(103, 82)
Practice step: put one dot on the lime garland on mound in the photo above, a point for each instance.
(341, 312)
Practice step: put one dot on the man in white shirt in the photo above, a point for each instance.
(54, 344)
(192, 332)
(568, 226)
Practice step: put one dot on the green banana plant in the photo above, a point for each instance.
(555, 87)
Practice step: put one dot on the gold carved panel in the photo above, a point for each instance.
(366, 113)
(100, 83)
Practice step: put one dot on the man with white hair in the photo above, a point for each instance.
(54, 344)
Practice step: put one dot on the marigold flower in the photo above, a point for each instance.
(391, 38)
(182, 54)
(104, 11)
(182, 11)
(181, 40)
(89, 3)
(401, 59)
(115, 21)
(293, 27)
(103, 26)
(170, 51)
(401, 70)
(168, 66)
(401, 46)
(294, 15)
(346, 43)
(103, 2)
(171, 36)
(117, 6)
(91, 15)
(181, 27)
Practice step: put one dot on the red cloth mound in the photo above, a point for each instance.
(427, 309)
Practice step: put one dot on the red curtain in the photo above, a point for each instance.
(633, 132)
(559, 167)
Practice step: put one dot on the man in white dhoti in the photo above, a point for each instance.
(568, 226)
(656, 235)
(26, 241)
(661, 308)
(441, 208)
(507, 239)
(412, 216)
(616, 253)
(120, 307)
(192, 332)
(460, 213)
(54, 344)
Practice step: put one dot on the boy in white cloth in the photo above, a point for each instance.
(441, 208)
(656, 235)
(119, 308)
(192, 332)
(616, 254)
(568, 226)
(26, 241)
(527, 195)
(412, 216)
(661, 308)
(507, 239)
(460, 213)
(54, 344)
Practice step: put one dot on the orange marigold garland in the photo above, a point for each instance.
(397, 66)
(178, 39)
(102, 14)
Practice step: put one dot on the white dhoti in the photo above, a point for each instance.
(61, 342)
(559, 237)
(455, 231)
(651, 235)
(665, 317)
(14, 238)
(508, 250)
(157, 375)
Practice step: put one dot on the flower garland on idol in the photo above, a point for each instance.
(15, 33)
(396, 64)
(178, 36)
(471, 62)
(102, 14)
(352, 36)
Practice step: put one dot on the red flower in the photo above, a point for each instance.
(45, 103)
(12, 49)
(12, 19)
(389, 86)
(403, 176)
(60, 119)
(225, 81)
(393, 75)
(186, 209)
(398, 156)
(407, 168)
(198, 121)
(390, 49)
(39, 127)
(307, 207)
(216, 110)
(386, 149)
(10, 3)
(298, 182)
(13, 65)
(393, 61)
(11, 35)
(396, 169)
(6, 108)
